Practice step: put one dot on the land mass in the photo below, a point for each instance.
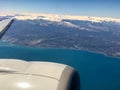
(95, 34)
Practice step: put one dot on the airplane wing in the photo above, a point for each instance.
(4, 25)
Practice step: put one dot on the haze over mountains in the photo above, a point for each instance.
(57, 17)
(98, 34)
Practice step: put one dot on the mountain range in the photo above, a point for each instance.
(97, 34)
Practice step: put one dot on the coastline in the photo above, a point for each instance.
(4, 44)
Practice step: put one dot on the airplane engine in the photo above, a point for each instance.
(37, 75)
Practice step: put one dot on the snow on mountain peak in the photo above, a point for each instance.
(55, 17)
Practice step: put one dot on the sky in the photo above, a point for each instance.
(102, 8)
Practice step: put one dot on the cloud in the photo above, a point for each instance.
(55, 17)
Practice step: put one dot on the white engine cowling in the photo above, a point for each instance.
(22, 75)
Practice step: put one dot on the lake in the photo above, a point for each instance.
(97, 72)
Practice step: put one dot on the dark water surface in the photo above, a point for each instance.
(97, 72)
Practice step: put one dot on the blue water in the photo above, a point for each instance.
(97, 72)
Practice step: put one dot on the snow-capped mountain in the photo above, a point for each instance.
(97, 34)
(55, 17)
(68, 20)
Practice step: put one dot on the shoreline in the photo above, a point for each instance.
(36, 48)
